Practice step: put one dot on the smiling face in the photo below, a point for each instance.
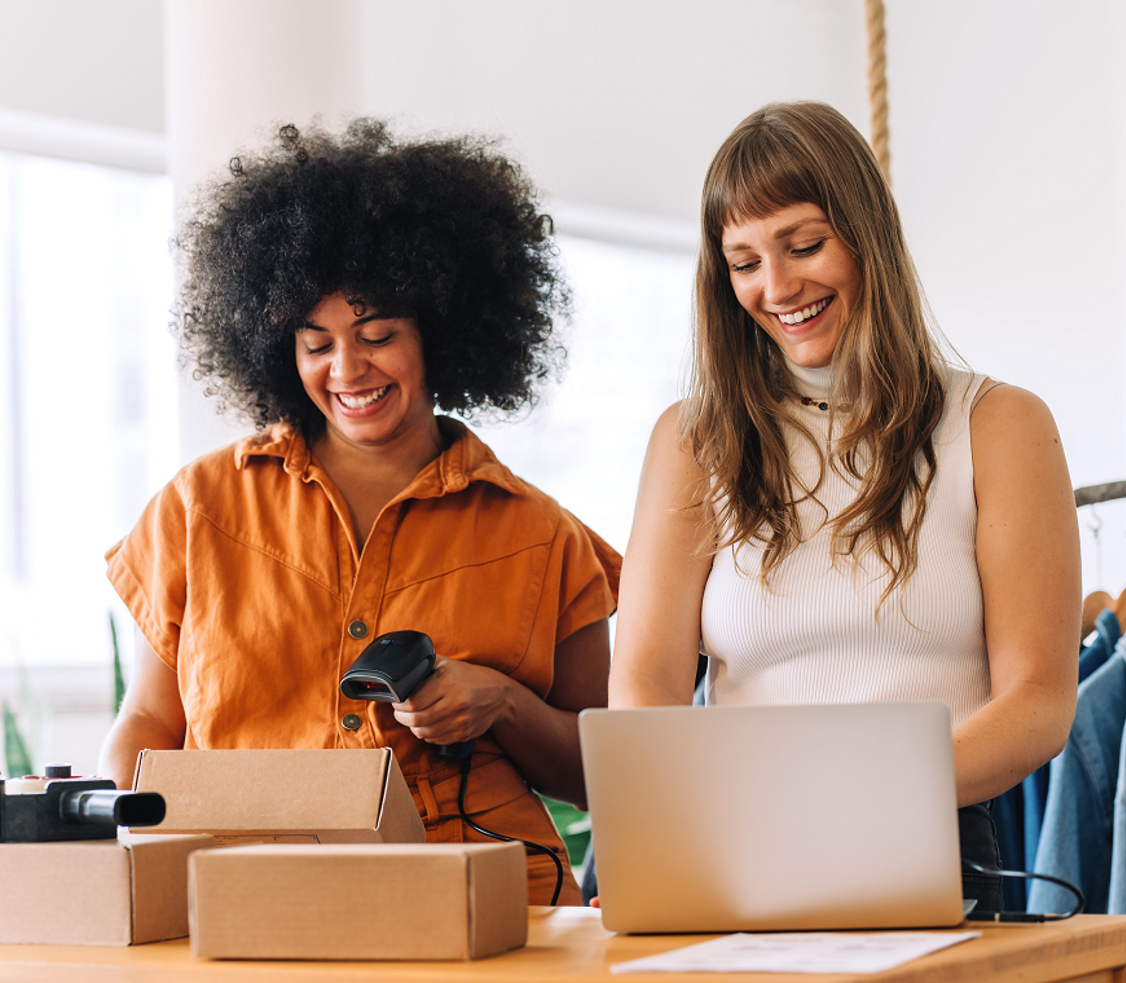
(364, 372)
(793, 275)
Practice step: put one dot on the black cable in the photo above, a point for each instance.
(1024, 916)
(536, 847)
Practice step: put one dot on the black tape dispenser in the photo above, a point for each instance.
(58, 806)
(390, 669)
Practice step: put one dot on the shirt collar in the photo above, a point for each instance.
(467, 459)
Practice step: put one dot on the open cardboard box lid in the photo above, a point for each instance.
(304, 795)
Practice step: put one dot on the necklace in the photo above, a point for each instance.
(819, 403)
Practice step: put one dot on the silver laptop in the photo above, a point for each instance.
(770, 818)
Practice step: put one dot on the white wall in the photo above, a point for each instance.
(1007, 161)
(618, 104)
(101, 61)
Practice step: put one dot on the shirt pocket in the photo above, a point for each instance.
(483, 612)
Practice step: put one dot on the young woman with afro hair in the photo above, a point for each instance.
(338, 290)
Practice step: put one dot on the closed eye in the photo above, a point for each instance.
(317, 351)
(810, 250)
(746, 267)
(377, 342)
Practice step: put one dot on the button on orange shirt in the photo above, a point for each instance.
(244, 576)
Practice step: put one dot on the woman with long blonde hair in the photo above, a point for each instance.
(837, 512)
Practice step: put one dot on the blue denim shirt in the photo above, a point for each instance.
(1116, 902)
(1076, 838)
(1107, 633)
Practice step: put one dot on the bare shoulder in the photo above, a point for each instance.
(1016, 447)
(669, 462)
(666, 435)
(1003, 408)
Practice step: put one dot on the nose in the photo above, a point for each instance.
(781, 282)
(348, 363)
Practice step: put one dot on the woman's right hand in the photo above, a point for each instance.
(664, 572)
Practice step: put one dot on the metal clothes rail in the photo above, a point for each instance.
(1106, 492)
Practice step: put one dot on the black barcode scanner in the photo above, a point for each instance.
(390, 669)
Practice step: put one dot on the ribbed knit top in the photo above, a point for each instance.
(812, 636)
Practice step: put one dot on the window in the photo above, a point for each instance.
(88, 427)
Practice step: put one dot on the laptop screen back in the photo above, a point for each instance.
(769, 818)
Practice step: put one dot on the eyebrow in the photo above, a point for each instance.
(788, 230)
(791, 229)
(309, 326)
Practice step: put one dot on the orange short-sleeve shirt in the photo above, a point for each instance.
(244, 577)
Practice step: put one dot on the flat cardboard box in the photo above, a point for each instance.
(283, 796)
(96, 892)
(428, 901)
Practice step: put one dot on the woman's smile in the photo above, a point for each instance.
(360, 402)
(806, 314)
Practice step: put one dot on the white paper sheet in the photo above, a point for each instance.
(798, 952)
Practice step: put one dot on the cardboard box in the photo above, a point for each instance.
(96, 892)
(288, 796)
(430, 901)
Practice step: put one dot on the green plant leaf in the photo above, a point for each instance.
(573, 825)
(118, 675)
(17, 760)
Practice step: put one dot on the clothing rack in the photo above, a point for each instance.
(1106, 492)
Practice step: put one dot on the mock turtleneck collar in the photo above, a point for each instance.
(814, 383)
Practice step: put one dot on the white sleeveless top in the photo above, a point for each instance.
(812, 636)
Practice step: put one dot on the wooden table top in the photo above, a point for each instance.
(571, 944)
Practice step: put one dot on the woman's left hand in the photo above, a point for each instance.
(462, 700)
(459, 701)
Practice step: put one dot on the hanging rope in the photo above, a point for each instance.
(878, 83)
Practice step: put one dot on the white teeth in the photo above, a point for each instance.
(804, 315)
(359, 402)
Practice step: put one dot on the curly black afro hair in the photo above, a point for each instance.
(445, 231)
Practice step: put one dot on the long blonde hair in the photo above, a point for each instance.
(887, 369)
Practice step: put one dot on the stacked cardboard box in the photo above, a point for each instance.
(97, 892)
(416, 901)
(324, 857)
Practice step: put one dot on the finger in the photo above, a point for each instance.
(420, 718)
(435, 735)
(424, 697)
(436, 729)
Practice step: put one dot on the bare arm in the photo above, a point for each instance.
(1028, 558)
(663, 578)
(151, 716)
(461, 701)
